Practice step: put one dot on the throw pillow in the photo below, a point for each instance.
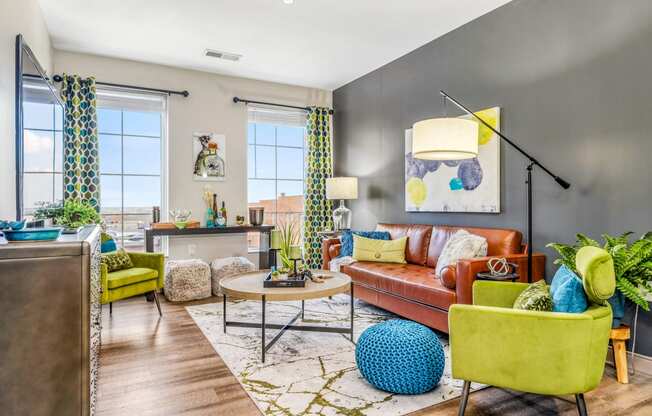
(384, 251)
(461, 245)
(567, 292)
(535, 297)
(346, 250)
(108, 243)
(117, 260)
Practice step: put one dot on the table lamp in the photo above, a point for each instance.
(342, 188)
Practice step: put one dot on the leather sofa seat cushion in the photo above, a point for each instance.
(500, 242)
(410, 281)
(416, 250)
(130, 276)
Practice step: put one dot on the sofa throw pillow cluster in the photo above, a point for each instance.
(461, 245)
(384, 251)
(535, 297)
(567, 292)
(117, 260)
(346, 249)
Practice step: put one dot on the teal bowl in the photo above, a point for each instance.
(33, 234)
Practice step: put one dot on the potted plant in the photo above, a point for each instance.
(48, 211)
(632, 265)
(76, 214)
(289, 237)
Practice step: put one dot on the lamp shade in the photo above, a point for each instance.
(445, 139)
(342, 188)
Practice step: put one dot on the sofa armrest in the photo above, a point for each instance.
(154, 261)
(330, 249)
(537, 352)
(467, 269)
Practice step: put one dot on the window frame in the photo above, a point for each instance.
(163, 175)
(254, 143)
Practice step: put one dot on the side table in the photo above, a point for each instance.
(510, 277)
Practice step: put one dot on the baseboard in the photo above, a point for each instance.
(641, 363)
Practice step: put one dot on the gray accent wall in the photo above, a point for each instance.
(573, 80)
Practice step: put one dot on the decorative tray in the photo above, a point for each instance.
(284, 280)
(33, 234)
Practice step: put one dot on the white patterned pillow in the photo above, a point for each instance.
(461, 245)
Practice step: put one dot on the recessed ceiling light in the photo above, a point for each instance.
(288, 1)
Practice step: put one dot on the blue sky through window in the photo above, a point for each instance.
(275, 162)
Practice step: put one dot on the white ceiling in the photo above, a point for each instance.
(315, 43)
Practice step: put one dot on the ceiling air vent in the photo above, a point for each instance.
(223, 55)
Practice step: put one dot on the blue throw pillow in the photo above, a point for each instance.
(107, 243)
(346, 250)
(567, 292)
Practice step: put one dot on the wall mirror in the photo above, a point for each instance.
(39, 136)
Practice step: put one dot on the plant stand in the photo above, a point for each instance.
(618, 338)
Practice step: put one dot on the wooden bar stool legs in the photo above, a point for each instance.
(618, 338)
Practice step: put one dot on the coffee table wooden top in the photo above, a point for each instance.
(250, 286)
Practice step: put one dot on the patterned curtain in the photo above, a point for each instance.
(81, 168)
(319, 166)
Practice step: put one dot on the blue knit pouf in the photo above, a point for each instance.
(400, 356)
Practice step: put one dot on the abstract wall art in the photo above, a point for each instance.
(470, 185)
(209, 153)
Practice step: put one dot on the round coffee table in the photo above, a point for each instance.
(249, 286)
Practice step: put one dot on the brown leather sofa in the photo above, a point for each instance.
(411, 290)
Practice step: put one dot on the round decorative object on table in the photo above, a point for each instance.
(400, 356)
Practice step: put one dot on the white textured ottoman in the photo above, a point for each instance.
(226, 267)
(187, 280)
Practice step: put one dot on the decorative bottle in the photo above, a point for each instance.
(223, 212)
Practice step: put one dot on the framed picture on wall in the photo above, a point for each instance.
(470, 185)
(209, 157)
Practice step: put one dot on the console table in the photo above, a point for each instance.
(264, 230)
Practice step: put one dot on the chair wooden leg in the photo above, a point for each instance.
(110, 308)
(465, 398)
(581, 404)
(158, 304)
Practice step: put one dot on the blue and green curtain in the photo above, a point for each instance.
(319, 166)
(81, 167)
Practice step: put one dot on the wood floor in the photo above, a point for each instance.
(152, 366)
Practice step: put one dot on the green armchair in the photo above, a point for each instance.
(536, 352)
(146, 276)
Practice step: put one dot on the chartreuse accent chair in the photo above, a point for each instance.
(531, 351)
(146, 276)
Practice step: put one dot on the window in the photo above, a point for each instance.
(133, 146)
(275, 166)
(43, 146)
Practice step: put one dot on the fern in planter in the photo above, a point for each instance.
(76, 214)
(632, 262)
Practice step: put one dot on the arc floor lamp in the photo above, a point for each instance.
(453, 139)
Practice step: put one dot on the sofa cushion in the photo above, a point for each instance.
(117, 260)
(416, 250)
(462, 245)
(346, 250)
(384, 251)
(130, 276)
(409, 281)
(536, 297)
(500, 241)
(567, 292)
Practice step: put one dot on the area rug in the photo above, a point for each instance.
(310, 373)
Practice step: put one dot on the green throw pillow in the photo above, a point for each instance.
(117, 260)
(536, 297)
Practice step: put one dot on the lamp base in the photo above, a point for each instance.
(341, 217)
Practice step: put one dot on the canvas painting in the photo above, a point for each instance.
(209, 151)
(471, 185)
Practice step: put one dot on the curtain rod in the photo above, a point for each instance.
(185, 93)
(242, 100)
